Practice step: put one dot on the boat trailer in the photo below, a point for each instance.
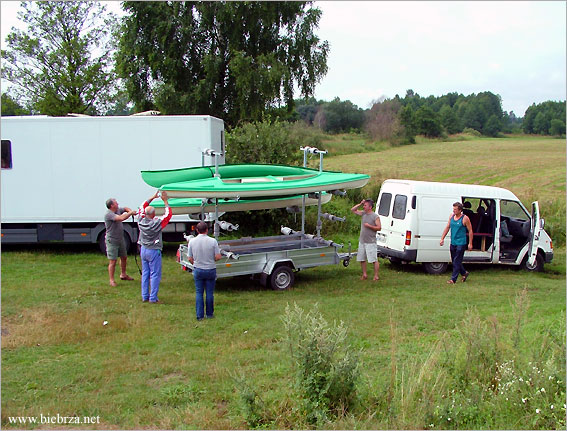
(275, 259)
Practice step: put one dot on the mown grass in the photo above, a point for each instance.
(157, 367)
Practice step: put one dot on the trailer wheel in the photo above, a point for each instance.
(346, 262)
(435, 267)
(282, 278)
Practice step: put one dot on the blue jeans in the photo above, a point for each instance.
(205, 281)
(457, 253)
(151, 273)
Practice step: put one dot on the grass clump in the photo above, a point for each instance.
(327, 369)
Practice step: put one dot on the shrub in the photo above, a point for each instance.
(327, 370)
(261, 142)
(472, 132)
(250, 403)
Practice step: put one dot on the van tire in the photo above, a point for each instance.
(435, 268)
(538, 264)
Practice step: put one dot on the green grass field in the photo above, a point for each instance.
(429, 352)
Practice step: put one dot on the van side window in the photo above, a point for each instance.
(6, 154)
(384, 206)
(512, 210)
(400, 204)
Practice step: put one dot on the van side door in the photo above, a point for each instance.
(535, 234)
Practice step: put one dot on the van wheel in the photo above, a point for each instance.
(282, 278)
(537, 266)
(435, 267)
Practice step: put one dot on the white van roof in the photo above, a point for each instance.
(467, 190)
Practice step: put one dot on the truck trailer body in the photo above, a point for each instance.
(58, 172)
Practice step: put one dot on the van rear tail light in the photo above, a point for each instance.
(551, 244)
(408, 237)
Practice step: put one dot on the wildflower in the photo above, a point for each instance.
(524, 400)
(552, 407)
(537, 411)
(542, 390)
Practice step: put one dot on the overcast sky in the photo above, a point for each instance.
(516, 49)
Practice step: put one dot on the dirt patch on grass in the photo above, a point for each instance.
(46, 325)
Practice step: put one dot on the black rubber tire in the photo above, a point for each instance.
(538, 264)
(282, 278)
(435, 268)
(102, 242)
(346, 262)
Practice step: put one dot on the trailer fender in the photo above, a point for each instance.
(271, 264)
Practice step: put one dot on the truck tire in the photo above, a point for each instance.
(282, 278)
(537, 266)
(102, 242)
(435, 267)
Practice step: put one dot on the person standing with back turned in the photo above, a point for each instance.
(203, 252)
(367, 249)
(458, 224)
(151, 243)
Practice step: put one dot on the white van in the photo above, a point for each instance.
(414, 214)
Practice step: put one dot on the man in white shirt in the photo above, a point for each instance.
(203, 253)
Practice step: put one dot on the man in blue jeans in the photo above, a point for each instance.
(151, 243)
(458, 224)
(203, 252)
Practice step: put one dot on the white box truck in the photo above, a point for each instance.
(58, 172)
(414, 213)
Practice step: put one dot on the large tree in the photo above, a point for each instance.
(61, 62)
(234, 60)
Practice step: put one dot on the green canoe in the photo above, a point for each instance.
(193, 205)
(250, 180)
(159, 178)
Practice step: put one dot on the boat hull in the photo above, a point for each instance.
(180, 206)
(177, 191)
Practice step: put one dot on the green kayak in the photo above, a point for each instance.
(159, 178)
(193, 205)
(250, 180)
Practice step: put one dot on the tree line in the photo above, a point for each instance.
(239, 61)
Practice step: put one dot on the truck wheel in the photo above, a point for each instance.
(435, 267)
(537, 266)
(128, 242)
(282, 278)
(102, 242)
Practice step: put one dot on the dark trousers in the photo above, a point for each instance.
(457, 253)
(204, 283)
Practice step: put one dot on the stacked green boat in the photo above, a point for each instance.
(243, 187)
